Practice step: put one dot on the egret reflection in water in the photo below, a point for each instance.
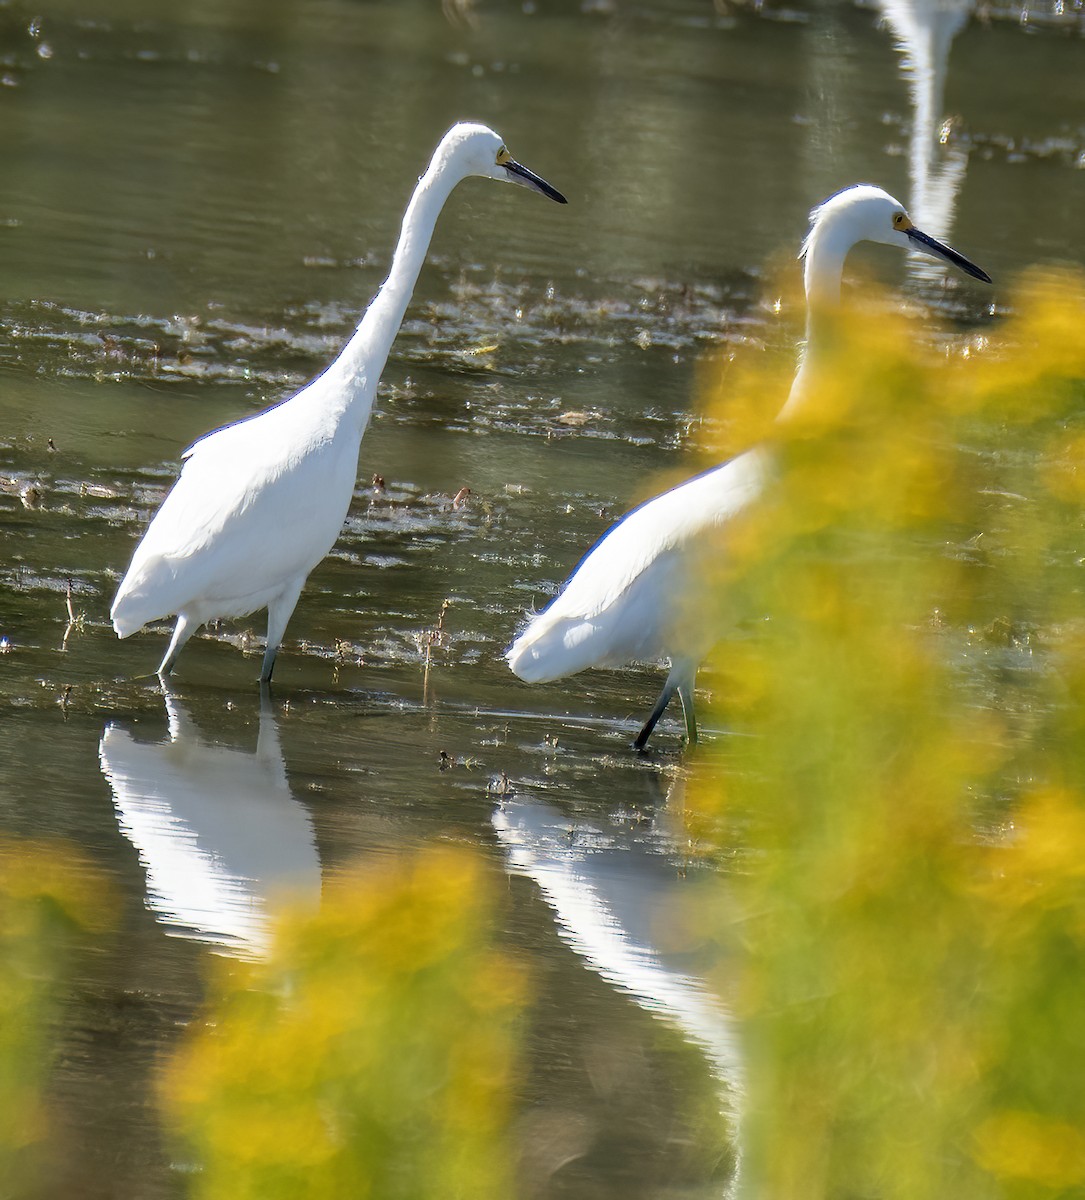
(924, 31)
(613, 891)
(218, 831)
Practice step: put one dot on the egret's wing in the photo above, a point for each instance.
(256, 503)
(622, 602)
(225, 435)
(218, 476)
(664, 526)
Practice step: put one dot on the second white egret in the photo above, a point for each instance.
(625, 601)
(259, 503)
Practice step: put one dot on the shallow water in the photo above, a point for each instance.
(195, 208)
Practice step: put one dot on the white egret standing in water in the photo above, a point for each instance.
(629, 600)
(261, 502)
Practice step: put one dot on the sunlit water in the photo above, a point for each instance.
(195, 207)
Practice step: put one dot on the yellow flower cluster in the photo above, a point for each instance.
(370, 1056)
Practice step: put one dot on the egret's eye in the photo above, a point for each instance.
(900, 221)
(503, 156)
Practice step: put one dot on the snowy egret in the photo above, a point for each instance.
(624, 601)
(259, 503)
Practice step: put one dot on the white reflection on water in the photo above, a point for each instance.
(924, 31)
(217, 829)
(612, 894)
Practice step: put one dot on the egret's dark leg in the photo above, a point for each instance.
(268, 664)
(182, 631)
(685, 694)
(680, 679)
(653, 717)
(279, 612)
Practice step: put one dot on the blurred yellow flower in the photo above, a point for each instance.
(903, 647)
(372, 1055)
(51, 899)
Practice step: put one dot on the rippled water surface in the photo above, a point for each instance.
(196, 204)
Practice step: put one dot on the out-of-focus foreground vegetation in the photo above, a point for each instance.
(907, 812)
(371, 1055)
(51, 900)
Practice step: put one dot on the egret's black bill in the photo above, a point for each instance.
(941, 250)
(529, 179)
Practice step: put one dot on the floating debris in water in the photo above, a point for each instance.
(99, 491)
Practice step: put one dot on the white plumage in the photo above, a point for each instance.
(625, 600)
(633, 596)
(259, 503)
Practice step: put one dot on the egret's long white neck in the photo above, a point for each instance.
(362, 360)
(824, 252)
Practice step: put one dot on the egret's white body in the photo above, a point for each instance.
(632, 597)
(259, 503)
(623, 603)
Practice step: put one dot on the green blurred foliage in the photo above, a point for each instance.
(370, 1056)
(907, 655)
(50, 900)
